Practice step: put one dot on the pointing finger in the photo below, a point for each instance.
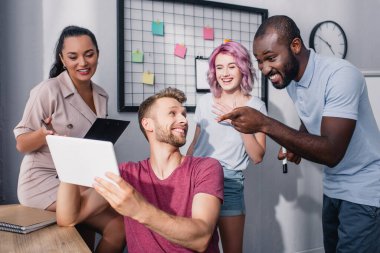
(226, 116)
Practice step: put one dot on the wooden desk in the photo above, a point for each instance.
(50, 239)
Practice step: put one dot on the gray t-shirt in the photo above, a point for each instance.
(220, 140)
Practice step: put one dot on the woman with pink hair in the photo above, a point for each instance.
(231, 77)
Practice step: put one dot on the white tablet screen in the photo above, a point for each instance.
(79, 161)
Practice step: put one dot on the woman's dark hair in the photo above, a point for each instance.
(69, 31)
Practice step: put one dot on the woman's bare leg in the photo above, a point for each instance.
(110, 225)
(231, 229)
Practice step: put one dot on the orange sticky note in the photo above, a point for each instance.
(148, 78)
(226, 40)
(208, 33)
(180, 50)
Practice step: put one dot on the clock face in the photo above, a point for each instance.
(329, 39)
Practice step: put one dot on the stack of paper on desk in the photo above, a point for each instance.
(23, 219)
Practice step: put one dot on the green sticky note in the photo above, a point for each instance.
(137, 56)
(158, 28)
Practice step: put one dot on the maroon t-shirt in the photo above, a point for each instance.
(173, 195)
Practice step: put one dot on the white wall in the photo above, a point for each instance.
(283, 210)
(21, 67)
(373, 85)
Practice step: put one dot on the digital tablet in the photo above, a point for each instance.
(106, 129)
(79, 161)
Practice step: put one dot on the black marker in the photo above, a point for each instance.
(284, 162)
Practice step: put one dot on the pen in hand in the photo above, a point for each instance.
(284, 162)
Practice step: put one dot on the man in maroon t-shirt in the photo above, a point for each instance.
(170, 202)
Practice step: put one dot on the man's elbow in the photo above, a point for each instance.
(202, 243)
(332, 163)
(64, 222)
(334, 160)
(201, 247)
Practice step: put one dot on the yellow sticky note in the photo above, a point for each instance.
(148, 78)
(226, 40)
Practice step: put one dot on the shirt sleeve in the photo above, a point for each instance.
(197, 114)
(124, 169)
(258, 104)
(201, 105)
(343, 93)
(209, 178)
(36, 108)
(262, 108)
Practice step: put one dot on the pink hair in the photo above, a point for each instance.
(243, 62)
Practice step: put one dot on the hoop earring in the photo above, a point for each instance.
(64, 67)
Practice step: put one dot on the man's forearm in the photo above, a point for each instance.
(190, 233)
(311, 147)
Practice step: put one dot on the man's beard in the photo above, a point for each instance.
(290, 72)
(168, 137)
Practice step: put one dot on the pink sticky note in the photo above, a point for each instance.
(208, 33)
(180, 50)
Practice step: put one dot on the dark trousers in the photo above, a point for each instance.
(350, 227)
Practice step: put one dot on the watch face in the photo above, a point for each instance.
(329, 39)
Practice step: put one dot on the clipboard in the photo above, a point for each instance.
(106, 130)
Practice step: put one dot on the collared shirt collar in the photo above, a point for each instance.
(68, 87)
(308, 74)
(71, 94)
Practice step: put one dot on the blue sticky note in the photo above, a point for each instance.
(158, 28)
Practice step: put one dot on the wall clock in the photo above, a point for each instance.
(328, 38)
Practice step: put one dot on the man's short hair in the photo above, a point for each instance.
(147, 104)
(285, 27)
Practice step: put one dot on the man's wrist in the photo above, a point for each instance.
(265, 126)
(145, 213)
